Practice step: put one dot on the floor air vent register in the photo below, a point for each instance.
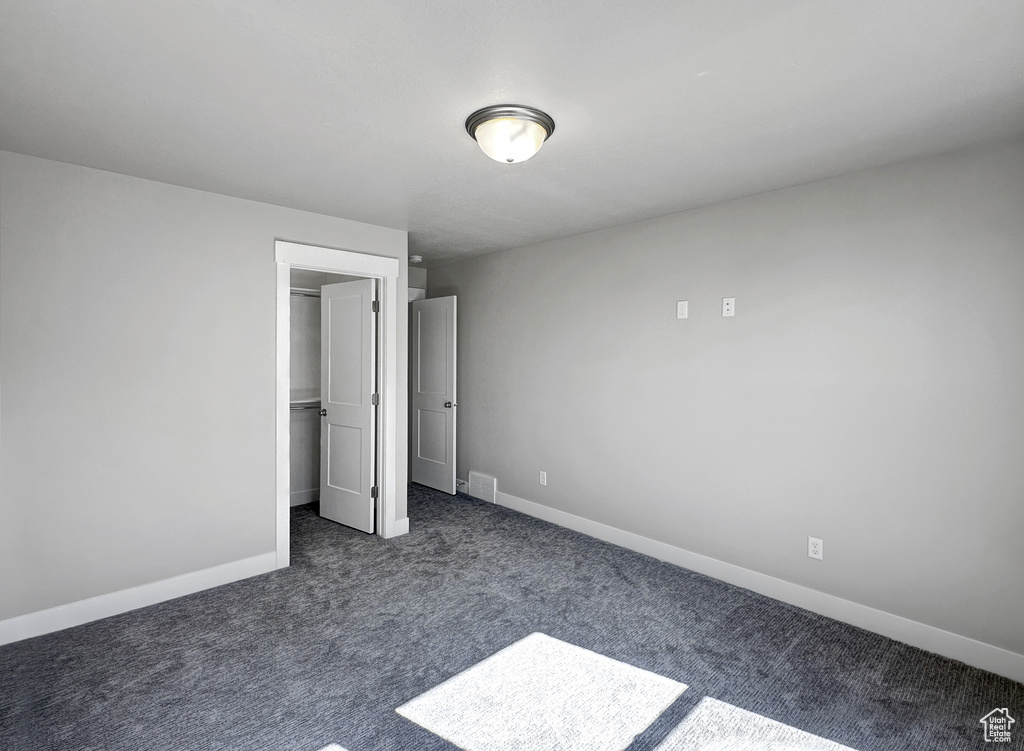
(484, 487)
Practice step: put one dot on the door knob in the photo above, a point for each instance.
(449, 405)
(323, 413)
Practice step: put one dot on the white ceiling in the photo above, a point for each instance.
(356, 109)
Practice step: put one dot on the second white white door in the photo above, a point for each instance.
(434, 400)
(348, 401)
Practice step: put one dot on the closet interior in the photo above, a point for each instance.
(304, 425)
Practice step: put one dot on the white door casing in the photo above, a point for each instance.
(385, 270)
(434, 398)
(348, 390)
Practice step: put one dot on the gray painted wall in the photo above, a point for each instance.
(304, 356)
(868, 390)
(138, 355)
(417, 277)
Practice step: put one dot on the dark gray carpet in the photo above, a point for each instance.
(324, 651)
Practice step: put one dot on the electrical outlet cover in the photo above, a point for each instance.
(816, 548)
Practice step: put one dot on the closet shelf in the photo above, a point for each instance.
(299, 404)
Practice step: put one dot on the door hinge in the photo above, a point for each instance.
(373, 492)
(375, 306)
(375, 400)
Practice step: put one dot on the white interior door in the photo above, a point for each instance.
(432, 443)
(348, 393)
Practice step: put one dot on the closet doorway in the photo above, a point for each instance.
(309, 454)
(293, 262)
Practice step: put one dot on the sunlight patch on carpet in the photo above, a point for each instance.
(541, 693)
(717, 726)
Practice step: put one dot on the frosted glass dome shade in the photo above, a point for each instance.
(510, 133)
(510, 140)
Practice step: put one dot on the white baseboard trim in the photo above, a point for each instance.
(398, 528)
(978, 654)
(104, 606)
(302, 497)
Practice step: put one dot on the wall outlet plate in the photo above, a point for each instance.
(816, 548)
(728, 306)
(682, 309)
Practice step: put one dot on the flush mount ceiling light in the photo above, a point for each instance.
(510, 132)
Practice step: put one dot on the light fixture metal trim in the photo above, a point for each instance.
(514, 111)
(510, 133)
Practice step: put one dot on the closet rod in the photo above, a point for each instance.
(296, 292)
(306, 405)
